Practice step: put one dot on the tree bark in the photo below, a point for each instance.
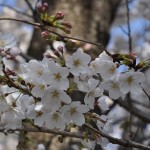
(91, 20)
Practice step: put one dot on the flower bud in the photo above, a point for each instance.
(39, 6)
(59, 16)
(44, 34)
(60, 49)
(42, 7)
(14, 51)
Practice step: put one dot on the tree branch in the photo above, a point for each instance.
(128, 25)
(81, 136)
(113, 140)
(17, 11)
(61, 36)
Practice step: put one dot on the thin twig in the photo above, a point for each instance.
(13, 84)
(17, 11)
(136, 133)
(82, 136)
(129, 28)
(61, 36)
(145, 92)
(44, 130)
(125, 143)
(30, 6)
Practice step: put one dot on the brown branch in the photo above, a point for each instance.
(113, 140)
(61, 36)
(136, 112)
(129, 28)
(30, 6)
(145, 92)
(44, 130)
(12, 83)
(17, 11)
(81, 136)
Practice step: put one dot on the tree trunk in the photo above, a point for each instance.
(91, 20)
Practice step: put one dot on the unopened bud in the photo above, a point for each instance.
(45, 34)
(48, 55)
(59, 16)
(42, 7)
(45, 5)
(9, 57)
(60, 48)
(1, 49)
(56, 53)
(39, 6)
(14, 51)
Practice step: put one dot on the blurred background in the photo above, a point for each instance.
(101, 21)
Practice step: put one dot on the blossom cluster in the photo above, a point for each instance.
(41, 92)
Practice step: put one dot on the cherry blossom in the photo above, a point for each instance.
(57, 75)
(74, 113)
(113, 88)
(7, 41)
(78, 63)
(130, 82)
(53, 97)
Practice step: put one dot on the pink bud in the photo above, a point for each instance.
(15, 51)
(1, 49)
(44, 34)
(60, 48)
(59, 15)
(39, 6)
(45, 5)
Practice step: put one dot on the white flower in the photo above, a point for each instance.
(33, 70)
(89, 144)
(25, 103)
(92, 92)
(78, 63)
(55, 120)
(96, 65)
(7, 41)
(57, 76)
(113, 88)
(102, 103)
(54, 96)
(3, 103)
(15, 51)
(39, 89)
(12, 118)
(82, 82)
(74, 113)
(129, 81)
(104, 57)
(107, 69)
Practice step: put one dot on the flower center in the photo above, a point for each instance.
(57, 76)
(55, 117)
(130, 80)
(39, 113)
(72, 111)
(114, 86)
(42, 87)
(112, 70)
(55, 94)
(2, 43)
(77, 62)
(39, 72)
